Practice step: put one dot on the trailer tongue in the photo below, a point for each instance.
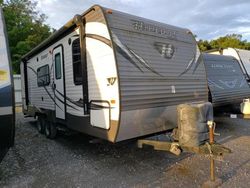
(195, 133)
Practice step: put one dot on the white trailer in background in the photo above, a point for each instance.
(112, 75)
(243, 57)
(226, 81)
(7, 113)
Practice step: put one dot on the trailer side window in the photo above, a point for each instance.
(43, 77)
(77, 64)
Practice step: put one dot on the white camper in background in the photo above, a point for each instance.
(226, 81)
(243, 57)
(7, 113)
(112, 75)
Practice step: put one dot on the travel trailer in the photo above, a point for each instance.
(112, 75)
(7, 113)
(226, 81)
(243, 57)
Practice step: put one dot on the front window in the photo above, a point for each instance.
(77, 64)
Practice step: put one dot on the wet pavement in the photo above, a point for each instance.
(72, 160)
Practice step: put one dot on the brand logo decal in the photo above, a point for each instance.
(166, 50)
(142, 26)
(111, 81)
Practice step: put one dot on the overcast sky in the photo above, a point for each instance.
(208, 19)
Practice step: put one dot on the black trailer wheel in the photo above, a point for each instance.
(50, 130)
(40, 124)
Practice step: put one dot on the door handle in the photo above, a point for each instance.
(54, 85)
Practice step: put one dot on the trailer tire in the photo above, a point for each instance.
(50, 130)
(40, 124)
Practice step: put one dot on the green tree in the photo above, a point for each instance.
(204, 45)
(26, 28)
(232, 40)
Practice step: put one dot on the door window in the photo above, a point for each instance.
(58, 69)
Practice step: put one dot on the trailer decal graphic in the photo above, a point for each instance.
(198, 62)
(67, 104)
(78, 103)
(230, 84)
(212, 83)
(165, 49)
(3, 75)
(143, 62)
(99, 107)
(44, 87)
(193, 61)
(111, 81)
(122, 49)
(100, 38)
(243, 82)
(129, 54)
(142, 26)
(63, 102)
(51, 97)
(190, 64)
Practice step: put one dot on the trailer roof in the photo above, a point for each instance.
(55, 36)
(71, 25)
(216, 57)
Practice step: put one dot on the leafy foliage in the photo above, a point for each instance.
(26, 28)
(233, 41)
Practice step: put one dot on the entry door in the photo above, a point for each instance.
(58, 85)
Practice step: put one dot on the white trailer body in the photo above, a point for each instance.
(113, 75)
(243, 56)
(7, 113)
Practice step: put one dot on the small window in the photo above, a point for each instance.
(58, 69)
(77, 64)
(43, 77)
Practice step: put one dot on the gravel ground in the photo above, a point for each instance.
(73, 161)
